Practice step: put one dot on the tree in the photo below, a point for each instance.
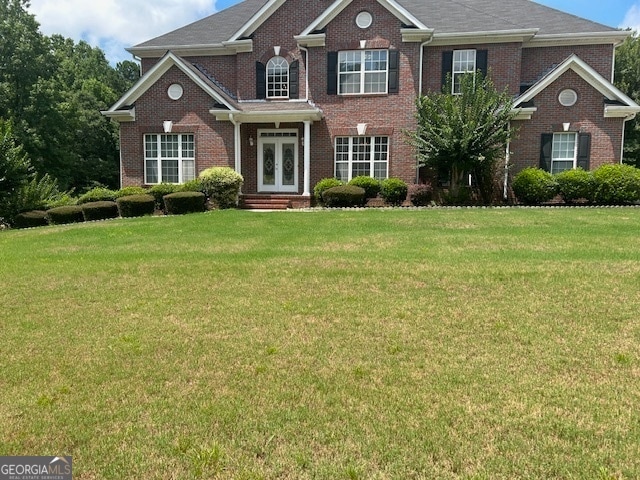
(464, 134)
(15, 169)
(627, 74)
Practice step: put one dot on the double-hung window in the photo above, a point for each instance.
(169, 158)
(464, 61)
(564, 152)
(356, 156)
(363, 71)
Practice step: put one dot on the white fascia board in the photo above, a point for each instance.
(564, 39)
(121, 115)
(224, 48)
(492, 36)
(293, 116)
(416, 35)
(621, 111)
(313, 40)
(258, 19)
(524, 113)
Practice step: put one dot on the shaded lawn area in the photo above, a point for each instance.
(378, 344)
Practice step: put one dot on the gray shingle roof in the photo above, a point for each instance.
(445, 16)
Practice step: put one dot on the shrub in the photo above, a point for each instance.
(180, 203)
(35, 218)
(344, 196)
(394, 191)
(99, 210)
(421, 194)
(63, 200)
(162, 189)
(136, 205)
(325, 184)
(62, 215)
(192, 186)
(222, 186)
(616, 184)
(371, 185)
(127, 191)
(575, 185)
(98, 194)
(533, 186)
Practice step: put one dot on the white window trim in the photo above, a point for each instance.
(159, 157)
(573, 159)
(363, 73)
(270, 88)
(372, 151)
(455, 72)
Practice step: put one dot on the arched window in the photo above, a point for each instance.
(277, 78)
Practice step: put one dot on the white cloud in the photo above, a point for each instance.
(632, 18)
(115, 24)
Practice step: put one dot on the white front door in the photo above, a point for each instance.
(278, 161)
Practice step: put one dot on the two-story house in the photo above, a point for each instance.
(288, 92)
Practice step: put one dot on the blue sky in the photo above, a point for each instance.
(116, 24)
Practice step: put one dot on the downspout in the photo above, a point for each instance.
(422, 45)
(306, 72)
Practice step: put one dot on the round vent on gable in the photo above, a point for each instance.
(364, 20)
(568, 98)
(175, 91)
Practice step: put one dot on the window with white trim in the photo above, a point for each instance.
(169, 158)
(363, 71)
(357, 156)
(278, 78)
(464, 61)
(564, 152)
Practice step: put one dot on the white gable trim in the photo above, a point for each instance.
(153, 75)
(258, 19)
(339, 5)
(593, 78)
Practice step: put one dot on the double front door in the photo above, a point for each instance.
(278, 161)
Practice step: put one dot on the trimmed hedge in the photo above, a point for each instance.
(344, 196)
(127, 191)
(575, 185)
(162, 189)
(136, 205)
(323, 185)
(100, 210)
(420, 195)
(533, 186)
(35, 218)
(616, 184)
(181, 203)
(222, 186)
(98, 194)
(64, 215)
(371, 185)
(394, 191)
(192, 186)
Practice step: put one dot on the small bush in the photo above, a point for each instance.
(127, 191)
(344, 196)
(99, 210)
(222, 186)
(98, 194)
(35, 218)
(136, 205)
(325, 184)
(192, 186)
(371, 185)
(420, 195)
(63, 215)
(575, 185)
(64, 200)
(184, 202)
(616, 184)
(534, 186)
(162, 189)
(394, 191)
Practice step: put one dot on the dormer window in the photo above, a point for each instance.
(278, 78)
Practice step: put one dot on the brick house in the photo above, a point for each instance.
(288, 92)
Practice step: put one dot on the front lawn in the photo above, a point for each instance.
(377, 344)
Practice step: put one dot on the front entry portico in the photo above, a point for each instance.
(278, 161)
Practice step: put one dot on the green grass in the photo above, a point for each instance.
(433, 344)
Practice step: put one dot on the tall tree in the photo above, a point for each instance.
(627, 75)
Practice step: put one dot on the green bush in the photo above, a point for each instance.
(616, 184)
(127, 191)
(162, 189)
(420, 194)
(99, 210)
(575, 185)
(63, 215)
(136, 205)
(222, 186)
(344, 196)
(371, 185)
(394, 191)
(323, 185)
(180, 203)
(98, 194)
(65, 199)
(533, 186)
(35, 218)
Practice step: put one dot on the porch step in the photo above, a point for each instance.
(265, 202)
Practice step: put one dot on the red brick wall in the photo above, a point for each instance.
(538, 61)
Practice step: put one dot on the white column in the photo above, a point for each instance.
(307, 158)
(238, 147)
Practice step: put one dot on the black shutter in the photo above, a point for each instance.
(261, 81)
(546, 147)
(294, 73)
(447, 69)
(332, 73)
(584, 150)
(481, 61)
(394, 71)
